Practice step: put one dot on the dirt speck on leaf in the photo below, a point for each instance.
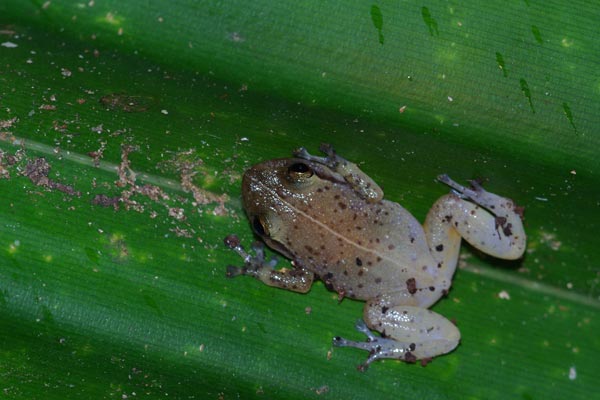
(127, 103)
(38, 170)
(106, 201)
(188, 165)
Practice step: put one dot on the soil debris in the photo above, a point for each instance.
(127, 103)
(188, 165)
(106, 201)
(37, 171)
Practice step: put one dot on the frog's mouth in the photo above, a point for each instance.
(279, 247)
(263, 229)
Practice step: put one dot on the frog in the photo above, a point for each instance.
(330, 218)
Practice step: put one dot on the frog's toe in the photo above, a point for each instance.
(259, 251)
(327, 149)
(252, 263)
(233, 271)
(476, 185)
(476, 193)
(305, 155)
(301, 152)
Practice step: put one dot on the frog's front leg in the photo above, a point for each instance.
(297, 279)
(361, 182)
(407, 333)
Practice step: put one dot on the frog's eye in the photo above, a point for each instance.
(300, 171)
(260, 225)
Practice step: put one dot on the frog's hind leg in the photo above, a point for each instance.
(489, 222)
(407, 333)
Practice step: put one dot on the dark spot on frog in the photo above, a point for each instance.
(319, 190)
(337, 197)
(432, 288)
(391, 247)
(439, 247)
(448, 218)
(412, 239)
(360, 285)
(520, 211)
(425, 361)
(412, 347)
(377, 280)
(378, 259)
(359, 262)
(411, 285)
(439, 265)
(410, 357)
(327, 280)
(309, 249)
(506, 228)
(361, 272)
(384, 309)
(342, 205)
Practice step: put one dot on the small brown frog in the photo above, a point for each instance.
(331, 220)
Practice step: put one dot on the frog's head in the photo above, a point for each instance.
(278, 195)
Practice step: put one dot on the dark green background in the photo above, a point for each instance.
(98, 303)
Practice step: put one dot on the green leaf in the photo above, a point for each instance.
(112, 267)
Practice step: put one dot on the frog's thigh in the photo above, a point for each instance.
(419, 331)
(500, 234)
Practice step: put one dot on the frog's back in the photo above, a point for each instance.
(372, 248)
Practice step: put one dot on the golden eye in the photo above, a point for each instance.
(299, 171)
(260, 225)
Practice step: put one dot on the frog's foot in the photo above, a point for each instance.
(332, 160)
(378, 347)
(252, 263)
(493, 203)
(489, 222)
(297, 279)
(360, 182)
